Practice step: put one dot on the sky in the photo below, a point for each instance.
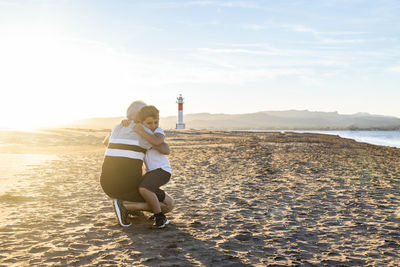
(66, 60)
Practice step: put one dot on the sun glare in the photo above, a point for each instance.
(45, 75)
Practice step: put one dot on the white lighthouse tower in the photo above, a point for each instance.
(180, 124)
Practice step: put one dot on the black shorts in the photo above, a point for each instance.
(120, 178)
(160, 195)
(153, 180)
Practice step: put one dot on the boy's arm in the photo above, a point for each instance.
(154, 139)
(163, 148)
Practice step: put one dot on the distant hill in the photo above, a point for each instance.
(266, 120)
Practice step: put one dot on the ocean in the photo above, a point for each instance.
(381, 138)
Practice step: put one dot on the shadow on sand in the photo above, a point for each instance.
(173, 246)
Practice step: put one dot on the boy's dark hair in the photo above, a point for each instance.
(148, 111)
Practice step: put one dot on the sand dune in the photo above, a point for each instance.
(243, 199)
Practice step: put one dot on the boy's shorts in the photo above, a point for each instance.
(152, 181)
(160, 194)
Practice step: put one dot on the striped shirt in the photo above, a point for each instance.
(124, 142)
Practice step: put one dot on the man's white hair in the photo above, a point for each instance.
(134, 109)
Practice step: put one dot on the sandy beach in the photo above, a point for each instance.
(242, 199)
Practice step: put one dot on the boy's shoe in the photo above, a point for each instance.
(121, 212)
(161, 220)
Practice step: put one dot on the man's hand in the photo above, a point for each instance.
(125, 123)
(106, 140)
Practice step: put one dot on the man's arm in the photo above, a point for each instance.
(143, 169)
(163, 148)
(106, 140)
(154, 139)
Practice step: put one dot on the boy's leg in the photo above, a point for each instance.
(150, 185)
(168, 204)
(151, 199)
(150, 191)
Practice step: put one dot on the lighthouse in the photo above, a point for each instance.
(180, 124)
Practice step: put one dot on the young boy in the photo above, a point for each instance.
(157, 165)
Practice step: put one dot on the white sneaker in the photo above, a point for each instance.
(121, 213)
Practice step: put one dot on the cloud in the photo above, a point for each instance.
(236, 51)
(301, 28)
(227, 4)
(342, 41)
(321, 36)
(197, 24)
(8, 3)
(276, 56)
(395, 69)
(238, 76)
(83, 66)
(255, 27)
(240, 4)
